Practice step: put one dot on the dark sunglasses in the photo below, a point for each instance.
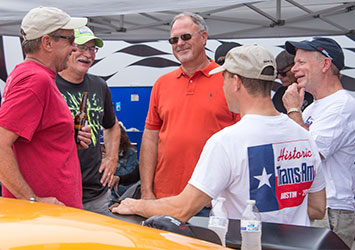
(69, 38)
(283, 74)
(184, 37)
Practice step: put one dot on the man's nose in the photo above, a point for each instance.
(294, 68)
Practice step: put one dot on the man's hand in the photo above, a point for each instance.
(113, 205)
(293, 97)
(293, 100)
(115, 182)
(84, 136)
(108, 168)
(49, 200)
(125, 207)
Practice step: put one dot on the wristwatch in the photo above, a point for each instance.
(33, 199)
(293, 110)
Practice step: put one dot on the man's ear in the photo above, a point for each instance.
(204, 36)
(327, 63)
(47, 42)
(237, 82)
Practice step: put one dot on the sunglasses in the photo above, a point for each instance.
(84, 48)
(283, 74)
(69, 38)
(184, 37)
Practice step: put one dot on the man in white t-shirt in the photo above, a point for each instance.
(330, 120)
(279, 168)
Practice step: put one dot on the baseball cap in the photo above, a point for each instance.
(223, 49)
(44, 20)
(84, 35)
(248, 61)
(326, 46)
(284, 59)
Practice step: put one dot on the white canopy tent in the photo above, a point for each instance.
(138, 30)
(135, 32)
(142, 20)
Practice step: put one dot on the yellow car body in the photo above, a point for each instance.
(34, 225)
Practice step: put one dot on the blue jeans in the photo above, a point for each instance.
(205, 212)
(100, 205)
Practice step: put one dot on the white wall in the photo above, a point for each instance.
(112, 61)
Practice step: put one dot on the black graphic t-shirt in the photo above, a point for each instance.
(278, 103)
(100, 113)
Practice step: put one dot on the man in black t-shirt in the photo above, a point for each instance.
(284, 63)
(97, 172)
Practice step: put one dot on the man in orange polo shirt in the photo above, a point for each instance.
(187, 106)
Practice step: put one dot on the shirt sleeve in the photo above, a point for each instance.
(21, 112)
(109, 118)
(318, 183)
(153, 120)
(319, 180)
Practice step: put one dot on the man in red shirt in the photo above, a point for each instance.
(38, 154)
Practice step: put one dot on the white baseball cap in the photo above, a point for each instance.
(248, 61)
(44, 20)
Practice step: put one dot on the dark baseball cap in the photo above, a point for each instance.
(326, 46)
(223, 49)
(283, 60)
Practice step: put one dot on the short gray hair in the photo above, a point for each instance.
(196, 18)
(32, 46)
(334, 69)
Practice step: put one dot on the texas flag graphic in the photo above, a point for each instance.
(280, 174)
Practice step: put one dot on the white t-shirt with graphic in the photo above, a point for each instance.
(331, 122)
(270, 159)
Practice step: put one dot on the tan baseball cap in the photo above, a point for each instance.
(44, 20)
(248, 61)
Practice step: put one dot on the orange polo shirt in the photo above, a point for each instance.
(187, 111)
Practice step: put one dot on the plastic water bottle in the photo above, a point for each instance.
(250, 227)
(218, 221)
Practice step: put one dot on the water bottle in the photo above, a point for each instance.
(250, 227)
(218, 221)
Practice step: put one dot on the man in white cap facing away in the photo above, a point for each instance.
(97, 172)
(251, 160)
(38, 154)
(284, 63)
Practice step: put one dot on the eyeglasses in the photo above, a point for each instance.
(184, 37)
(84, 48)
(283, 74)
(69, 38)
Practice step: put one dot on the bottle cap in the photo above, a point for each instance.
(219, 198)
